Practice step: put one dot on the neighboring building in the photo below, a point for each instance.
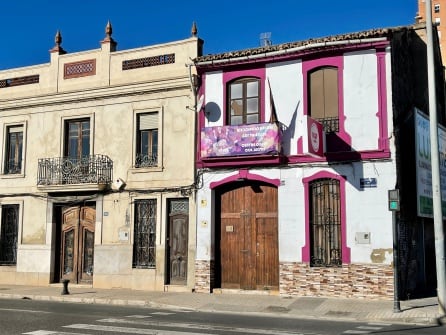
(97, 176)
(278, 212)
(438, 18)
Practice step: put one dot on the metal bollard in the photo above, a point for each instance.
(65, 286)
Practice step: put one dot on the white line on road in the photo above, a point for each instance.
(356, 332)
(23, 310)
(50, 332)
(197, 326)
(129, 330)
(138, 316)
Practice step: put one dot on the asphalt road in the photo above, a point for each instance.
(63, 318)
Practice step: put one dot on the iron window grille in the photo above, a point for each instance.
(144, 245)
(147, 140)
(325, 223)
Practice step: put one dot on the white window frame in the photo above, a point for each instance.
(159, 166)
(6, 126)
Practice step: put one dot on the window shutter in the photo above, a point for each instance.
(148, 121)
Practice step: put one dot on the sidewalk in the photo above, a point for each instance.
(419, 311)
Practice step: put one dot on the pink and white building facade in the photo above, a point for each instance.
(282, 206)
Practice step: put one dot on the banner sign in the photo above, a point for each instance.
(249, 139)
(423, 165)
(313, 137)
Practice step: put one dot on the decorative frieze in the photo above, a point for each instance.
(148, 61)
(80, 69)
(26, 80)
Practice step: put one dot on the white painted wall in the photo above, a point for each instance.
(361, 99)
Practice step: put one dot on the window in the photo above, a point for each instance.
(9, 234)
(144, 234)
(437, 8)
(147, 140)
(14, 147)
(323, 97)
(325, 223)
(77, 139)
(243, 101)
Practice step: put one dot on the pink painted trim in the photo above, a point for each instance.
(243, 61)
(338, 62)
(232, 75)
(244, 174)
(346, 258)
(341, 156)
(383, 141)
(201, 117)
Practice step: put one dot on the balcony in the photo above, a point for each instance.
(61, 174)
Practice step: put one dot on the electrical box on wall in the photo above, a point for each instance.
(362, 238)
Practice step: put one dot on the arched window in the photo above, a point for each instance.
(323, 96)
(325, 222)
(244, 101)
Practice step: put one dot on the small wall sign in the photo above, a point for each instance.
(368, 182)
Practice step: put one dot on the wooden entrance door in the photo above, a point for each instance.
(249, 237)
(178, 241)
(77, 242)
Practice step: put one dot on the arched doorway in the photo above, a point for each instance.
(247, 236)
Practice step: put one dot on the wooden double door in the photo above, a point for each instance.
(249, 237)
(77, 244)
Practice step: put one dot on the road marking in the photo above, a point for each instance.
(197, 326)
(128, 330)
(23, 310)
(162, 313)
(356, 332)
(369, 327)
(379, 324)
(50, 332)
(138, 316)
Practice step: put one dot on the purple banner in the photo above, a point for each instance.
(250, 139)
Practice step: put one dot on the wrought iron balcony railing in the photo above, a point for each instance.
(146, 160)
(94, 169)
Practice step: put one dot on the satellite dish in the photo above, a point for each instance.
(200, 102)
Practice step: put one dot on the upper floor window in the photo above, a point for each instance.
(323, 97)
(144, 244)
(9, 234)
(77, 138)
(325, 223)
(244, 101)
(147, 140)
(14, 147)
(437, 8)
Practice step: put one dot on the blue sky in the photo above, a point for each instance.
(28, 27)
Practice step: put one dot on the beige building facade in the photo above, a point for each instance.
(438, 18)
(97, 175)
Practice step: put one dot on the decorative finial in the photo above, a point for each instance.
(194, 29)
(58, 40)
(108, 30)
(108, 38)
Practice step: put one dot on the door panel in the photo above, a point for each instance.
(77, 252)
(249, 237)
(178, 241)
(178, 249)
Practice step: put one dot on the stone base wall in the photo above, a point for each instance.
(349, 281)
(204, 276)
